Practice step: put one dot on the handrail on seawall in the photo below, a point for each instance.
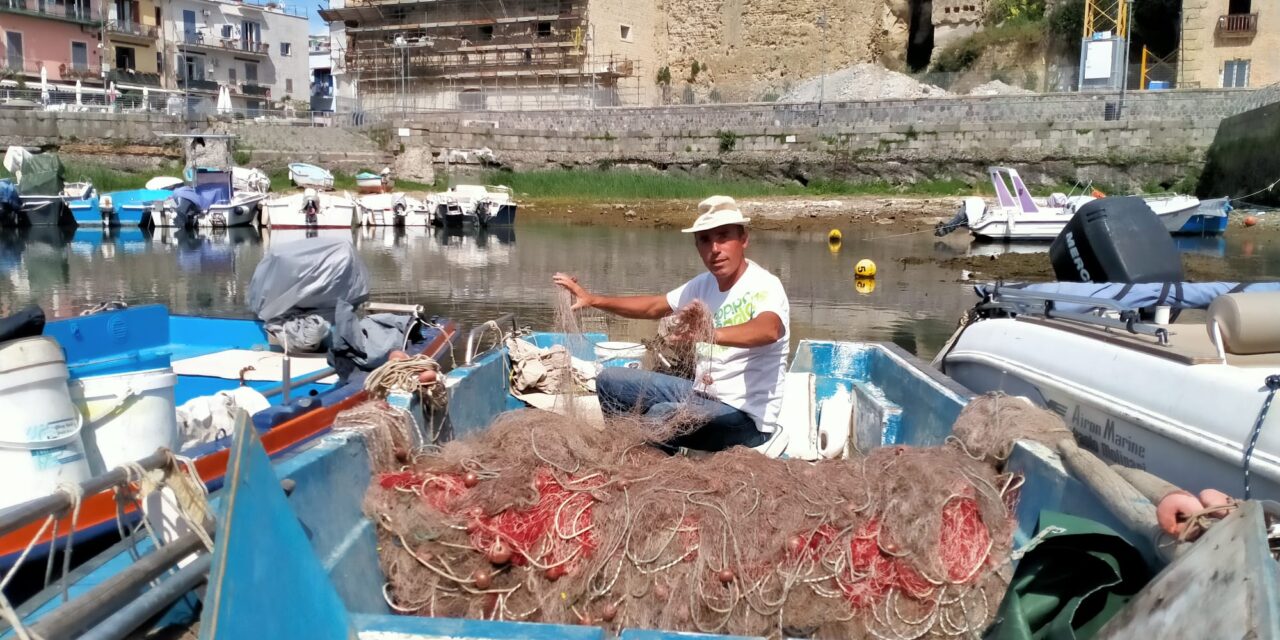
(478, 332)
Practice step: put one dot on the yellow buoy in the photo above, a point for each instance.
(864, 285)
(865, 269)
(834, 236)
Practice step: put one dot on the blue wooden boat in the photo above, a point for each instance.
(128, 207)
(148, 338)
(316, 549)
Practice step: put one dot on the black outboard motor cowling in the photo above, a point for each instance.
(1115, 240)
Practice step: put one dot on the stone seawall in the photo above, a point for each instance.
(134, 142)
(1158, 137)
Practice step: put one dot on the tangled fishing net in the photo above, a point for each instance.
(543, 518)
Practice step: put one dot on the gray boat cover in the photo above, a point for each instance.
(1177, 295)
(42, 175)
(365, 343)
(306, 276)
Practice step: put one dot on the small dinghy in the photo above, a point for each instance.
(309, 175)
(472, 204)
(367, 182)
(310, 209)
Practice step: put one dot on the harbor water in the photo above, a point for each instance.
(477, 275)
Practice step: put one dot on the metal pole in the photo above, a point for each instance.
(822, 85)
(125, 621)
(1124, 76)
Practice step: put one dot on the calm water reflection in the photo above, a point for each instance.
(476, 276)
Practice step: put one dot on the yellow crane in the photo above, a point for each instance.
(1102, 16)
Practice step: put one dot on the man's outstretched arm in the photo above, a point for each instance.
(636, 307)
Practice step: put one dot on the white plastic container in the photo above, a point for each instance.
(623, 350)
(127, 416)
(40, 445)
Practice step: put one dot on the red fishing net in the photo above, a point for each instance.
(544, 518)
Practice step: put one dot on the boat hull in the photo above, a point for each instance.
(288, 213)
(1129, 418)
(43, 212)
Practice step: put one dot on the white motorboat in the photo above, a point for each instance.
(212, 202)
(1184, 400)
(393, 210)
(472, 204)
(310, 209)
(1016, 215)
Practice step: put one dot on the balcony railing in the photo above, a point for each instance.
(1238, 24)
(191, 84)
(199, 40)
(132, 29)
(78, 13)
(255, 90)
(124, 76)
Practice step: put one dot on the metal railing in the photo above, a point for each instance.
(132, 28)
(1238, 24)
(224, 44)
(74, 12)
(250, 89)
(196, 84)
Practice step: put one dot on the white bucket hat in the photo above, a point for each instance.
(717, 211)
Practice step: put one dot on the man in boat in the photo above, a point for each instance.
(736, 391)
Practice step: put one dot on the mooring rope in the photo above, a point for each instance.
(1273, 384)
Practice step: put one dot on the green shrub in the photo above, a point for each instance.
(728, 141)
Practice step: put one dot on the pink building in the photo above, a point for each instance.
(62, 36)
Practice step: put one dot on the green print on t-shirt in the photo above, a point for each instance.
(728, 315)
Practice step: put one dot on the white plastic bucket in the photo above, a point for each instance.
(40, 445)
(127, 416)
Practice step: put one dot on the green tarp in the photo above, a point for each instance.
(1070, 584)
(42, 175)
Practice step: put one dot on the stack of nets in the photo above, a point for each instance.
(542, 518)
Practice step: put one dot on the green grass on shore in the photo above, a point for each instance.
(611, 185)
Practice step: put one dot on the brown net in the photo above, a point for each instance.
(541, 518)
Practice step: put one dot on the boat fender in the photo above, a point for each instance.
(1175, 510)
(834, 425)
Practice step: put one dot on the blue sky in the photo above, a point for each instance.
(313, 15)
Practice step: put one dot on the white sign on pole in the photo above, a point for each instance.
(1098, 59)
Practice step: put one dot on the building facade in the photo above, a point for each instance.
(494, 54)
(320, 66)
(59, 36)
(259, 52)
(1230, 43)
(135, 52)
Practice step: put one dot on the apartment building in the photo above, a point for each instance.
(258, 51)
(493, 54)
(135, 53)
(60, 36)
(1230, 43)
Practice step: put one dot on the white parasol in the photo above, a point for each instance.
(44, 85)
(78, 98)
(146, 99)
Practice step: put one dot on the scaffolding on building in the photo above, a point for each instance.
(477, 54)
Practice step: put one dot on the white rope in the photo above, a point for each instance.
(75, 494)
(1035, 541)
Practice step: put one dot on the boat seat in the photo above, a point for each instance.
(1246, 322)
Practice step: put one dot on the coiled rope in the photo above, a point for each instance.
(406, 375)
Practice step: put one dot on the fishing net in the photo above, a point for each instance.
(543, 518)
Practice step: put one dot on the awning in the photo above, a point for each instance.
(348, 14)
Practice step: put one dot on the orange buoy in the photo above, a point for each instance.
(1249, 221)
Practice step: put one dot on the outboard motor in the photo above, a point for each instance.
(970, 211)
(310, 206)
(1115, 240)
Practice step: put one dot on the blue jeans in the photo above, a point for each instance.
(657, 397)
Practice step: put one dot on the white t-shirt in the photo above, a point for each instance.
(745, 379)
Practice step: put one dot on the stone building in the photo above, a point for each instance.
(259, 52)
(494, 54)
(1230, 43)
